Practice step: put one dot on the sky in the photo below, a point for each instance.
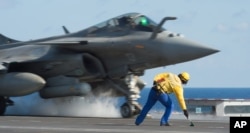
(223, 25)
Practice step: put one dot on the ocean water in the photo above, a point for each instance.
(203, 93)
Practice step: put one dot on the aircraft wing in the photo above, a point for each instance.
(19, 54)
(32, 50)
(10, 52)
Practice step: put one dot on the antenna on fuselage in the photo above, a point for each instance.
(156, 30)
(66, 31)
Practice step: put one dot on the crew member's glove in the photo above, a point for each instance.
(185, 113)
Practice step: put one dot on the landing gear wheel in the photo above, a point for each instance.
(2, 106)
(129, 110)
(126, 110)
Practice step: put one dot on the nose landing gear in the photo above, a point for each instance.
(131, 87)
(129, 110)
(132, 107)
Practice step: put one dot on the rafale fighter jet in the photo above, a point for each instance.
(108, 56)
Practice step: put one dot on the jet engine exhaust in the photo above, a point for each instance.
(67, 107)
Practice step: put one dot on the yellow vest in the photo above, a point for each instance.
(171, 83)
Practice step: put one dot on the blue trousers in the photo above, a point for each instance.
(153, 97)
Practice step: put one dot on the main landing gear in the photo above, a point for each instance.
(4, 102)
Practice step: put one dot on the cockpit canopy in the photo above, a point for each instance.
(130, 21)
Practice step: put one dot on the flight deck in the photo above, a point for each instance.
(33, 124)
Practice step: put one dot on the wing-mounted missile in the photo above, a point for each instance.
(20, 84)
(156, 30)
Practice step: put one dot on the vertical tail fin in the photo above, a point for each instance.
(6, 40)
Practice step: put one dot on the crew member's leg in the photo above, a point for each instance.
(152, 98)
(167, 102)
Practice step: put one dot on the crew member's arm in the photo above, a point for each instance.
(178, 90)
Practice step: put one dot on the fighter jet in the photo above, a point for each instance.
(110, 56)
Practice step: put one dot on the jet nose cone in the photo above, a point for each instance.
(211, 51)
(203, 50)
(188, 50)
(200, 50)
